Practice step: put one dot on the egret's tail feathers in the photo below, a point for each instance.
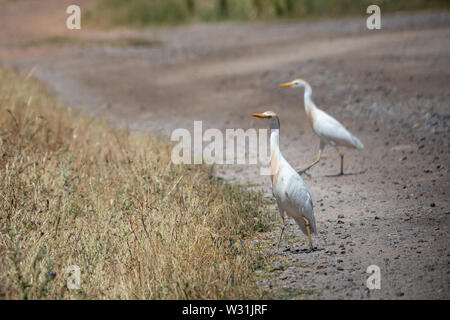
(357, 143)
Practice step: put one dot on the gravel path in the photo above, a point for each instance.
(389, 87)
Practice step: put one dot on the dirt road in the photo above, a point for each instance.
(389, 87)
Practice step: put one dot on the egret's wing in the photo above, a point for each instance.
(300, 200)
(330, 129)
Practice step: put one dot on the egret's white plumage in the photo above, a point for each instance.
(290, 192)
(329, 130)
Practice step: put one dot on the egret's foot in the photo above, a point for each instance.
(300, 171)
(345, 174)
(304, 171)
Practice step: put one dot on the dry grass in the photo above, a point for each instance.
(75, 191)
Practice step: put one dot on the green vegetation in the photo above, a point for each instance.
(76, 191)
(139, 13)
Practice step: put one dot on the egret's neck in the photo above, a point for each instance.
(309, 103)
(275, 136)
(275, 154)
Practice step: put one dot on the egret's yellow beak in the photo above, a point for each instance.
(287, 84)
(259, 115)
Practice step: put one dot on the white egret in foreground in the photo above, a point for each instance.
(329, 130)
(288, 188)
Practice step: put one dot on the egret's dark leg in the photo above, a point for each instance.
(282, 231)
(341, 154)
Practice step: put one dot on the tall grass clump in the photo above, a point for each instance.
(76, 191)
(140, 13)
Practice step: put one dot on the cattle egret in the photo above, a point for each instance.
(288, 188)
(329, 130)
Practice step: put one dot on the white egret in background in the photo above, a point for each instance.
(329, 130)
(292, 196)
